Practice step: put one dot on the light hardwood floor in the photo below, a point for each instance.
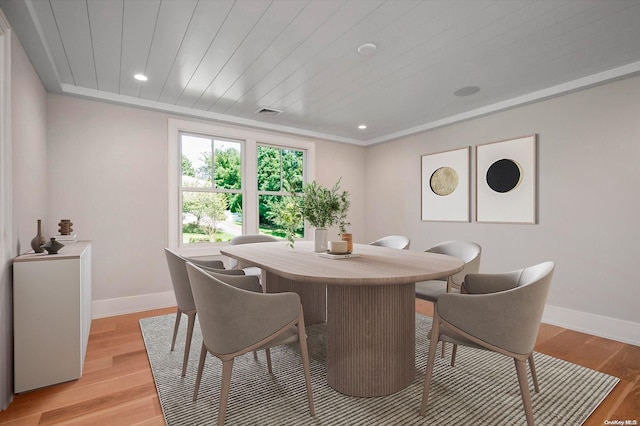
(117, 387)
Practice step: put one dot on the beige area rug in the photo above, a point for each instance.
(463, 395)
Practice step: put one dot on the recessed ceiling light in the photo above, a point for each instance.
(362, 126)
(140, 77)
(367, 49)
(467, 91)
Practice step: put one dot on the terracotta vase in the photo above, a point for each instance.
(38, 240)
(349, 239)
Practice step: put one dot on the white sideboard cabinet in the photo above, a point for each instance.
(51, 315)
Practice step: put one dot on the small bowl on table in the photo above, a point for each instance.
(337, 247)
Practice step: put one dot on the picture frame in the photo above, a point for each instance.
(445, 186)
(506, 181)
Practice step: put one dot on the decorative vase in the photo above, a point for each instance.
(38, 240)
(52, 246)
(349, 239)
(65, 227)
(320, 244)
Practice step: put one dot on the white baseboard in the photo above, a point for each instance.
(127, 305)
(597, 325)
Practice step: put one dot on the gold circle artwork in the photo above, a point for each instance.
(444, 181)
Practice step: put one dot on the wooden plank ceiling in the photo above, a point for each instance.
(226, 59)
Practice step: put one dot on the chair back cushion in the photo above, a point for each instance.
(180, 281)
(221, 271)
(467, 251)
(232, 319)
(506, 319)
(252, 238)
(248, 239)
(491, 283)
(245, 282)
(393, 241)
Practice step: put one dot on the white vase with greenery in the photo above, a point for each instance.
(320, 240)
(323, 207)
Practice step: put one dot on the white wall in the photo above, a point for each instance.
(108, 173)
(29, 149)
(588, 203)
(23, 181)
(345, 162)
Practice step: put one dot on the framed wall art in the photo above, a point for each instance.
(506, 181)
(445, 186)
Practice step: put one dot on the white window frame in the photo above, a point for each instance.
(251, 138)
(282, 192)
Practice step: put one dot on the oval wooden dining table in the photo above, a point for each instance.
(368, 303)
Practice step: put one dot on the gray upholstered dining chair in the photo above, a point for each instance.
(184, 296)
(467, 251)
(237, 278)
(496, 312)
(393, 241)
(234, 321)
(249, 239)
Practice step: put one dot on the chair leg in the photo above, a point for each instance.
(534, 376)
(302, 338)
(448, 290)
(454, 351)
(435, 334)
(176, 327)
(191, 318)
(267, 353)
(521, 369)
(227, 366)
(203, 357)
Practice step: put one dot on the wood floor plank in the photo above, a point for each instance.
(154, 421)
(626, 364)
(61, 396)
(580, 348)
(30, 420)
(134, 364)
(97, 364)
(629, 408)
(134, 405)
(546, 332)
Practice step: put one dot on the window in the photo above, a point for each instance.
(280, 173)
(227, 181)
(211, 188)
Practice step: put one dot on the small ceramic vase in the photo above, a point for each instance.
(320, 240)
(38, 240)
(52, 246)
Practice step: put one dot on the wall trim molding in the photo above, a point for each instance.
(596, 325)
(127, 305)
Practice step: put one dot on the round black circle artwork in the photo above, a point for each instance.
(504, 175)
